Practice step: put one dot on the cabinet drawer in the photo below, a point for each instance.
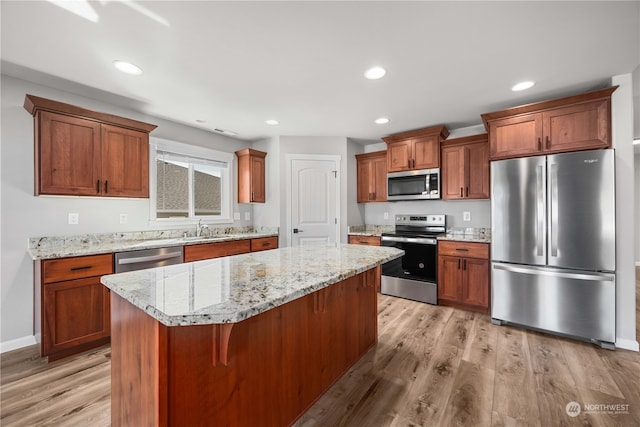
(57, 270)
(264, 243)
(364, 240)
(216, 250)
(464, 249)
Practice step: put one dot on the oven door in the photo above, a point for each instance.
(413, 275)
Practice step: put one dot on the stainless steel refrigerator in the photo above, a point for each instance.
(553, 244)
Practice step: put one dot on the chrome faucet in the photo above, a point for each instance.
(201, 227)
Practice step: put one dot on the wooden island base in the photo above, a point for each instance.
(263, 371)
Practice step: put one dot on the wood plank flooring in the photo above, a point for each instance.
(433, 366)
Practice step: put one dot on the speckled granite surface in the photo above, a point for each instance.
(479, 235)
(90, 244)
(370, 230)
(231, 289)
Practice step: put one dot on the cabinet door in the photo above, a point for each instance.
(475, 289)
(76, 312)
(67, 155)
(125, 162)
(516, 136)
(453, 172)
(477, 184)
(399, 156)
(426, 152)
(379, 179)
(449, 278)
(364, 180)
(257, 179)
(577, 127)
(216, 250)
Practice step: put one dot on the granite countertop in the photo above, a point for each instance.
(231, 289)
(369, 230)
(477, 235)
(93, 244)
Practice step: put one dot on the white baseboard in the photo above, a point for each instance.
(17, 343)
(627, 344)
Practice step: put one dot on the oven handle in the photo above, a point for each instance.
(422, 240)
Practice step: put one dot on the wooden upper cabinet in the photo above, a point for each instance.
(372, 177)
(80, 152)
(67, 154)
(579, 122)
(125, 162)
(251, 176)
(417, 149)
(465, 168)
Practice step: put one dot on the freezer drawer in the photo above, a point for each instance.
(568, 302)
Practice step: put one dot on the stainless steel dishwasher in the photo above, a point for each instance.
(148, 258)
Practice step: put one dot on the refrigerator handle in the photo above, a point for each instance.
(540, 211)
(561, 274)
(553, 206)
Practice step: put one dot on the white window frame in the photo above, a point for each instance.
(226, 189)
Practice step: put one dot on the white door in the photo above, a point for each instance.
(314, 207)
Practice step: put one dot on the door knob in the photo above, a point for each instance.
(296, 231)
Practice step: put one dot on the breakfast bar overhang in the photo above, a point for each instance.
(247, 340)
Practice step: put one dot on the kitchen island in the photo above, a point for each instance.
(245, 340)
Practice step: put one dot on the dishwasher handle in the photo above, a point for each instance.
(141, 259)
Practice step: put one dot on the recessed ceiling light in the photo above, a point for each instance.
(382, 121)
(272, 122)
(375, 73)
(127, 67)
(522, 86)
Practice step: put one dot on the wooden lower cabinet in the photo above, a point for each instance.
(263, 371)
(222, 249)
(463, 275)
(364, 240)
(264, 244)
(73, 306)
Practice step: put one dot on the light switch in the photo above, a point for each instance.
(466, 216)
(74, 218)
(386, 215)
(124, 218)
(247, 216)
(236, 216)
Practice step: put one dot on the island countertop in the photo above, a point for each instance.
(231, 289)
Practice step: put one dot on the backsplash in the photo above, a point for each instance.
(96, 239)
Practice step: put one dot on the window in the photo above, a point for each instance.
(189, 182)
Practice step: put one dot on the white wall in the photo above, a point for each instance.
(25, 216)
(637, 207)
(622, 132)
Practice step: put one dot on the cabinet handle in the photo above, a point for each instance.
(84, 267)
(252, 196)
(265, 244)
(461, 195)
(106, 186)
(98, 187)
(467, 191)
(373, 196)
(458, 263)
(464, 264)
(539, 144)
(462, 249)
(548, 142)
(409, 163)
(413, 163)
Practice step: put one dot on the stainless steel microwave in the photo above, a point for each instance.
(414, 185)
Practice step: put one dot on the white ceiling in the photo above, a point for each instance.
(236, 64)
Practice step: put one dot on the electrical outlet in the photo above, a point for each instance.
(466, 216)
(74, 218)
(236, 216)
(386, 215)
(247, 216)
(124, 218)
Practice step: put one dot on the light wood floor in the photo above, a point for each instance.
(433, 366)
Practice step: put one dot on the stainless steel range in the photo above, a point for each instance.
(414, 275)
